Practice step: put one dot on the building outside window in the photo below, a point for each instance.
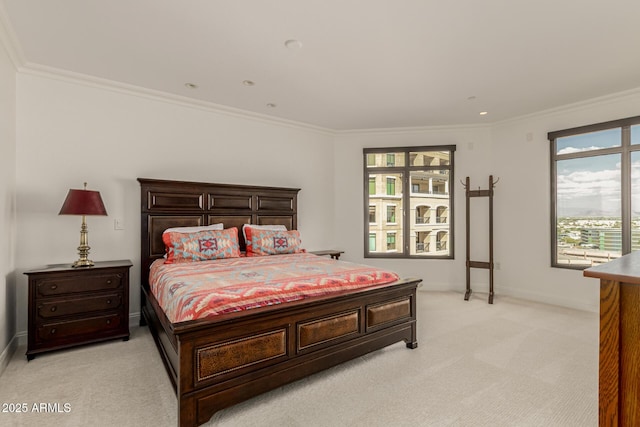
(372, 214)
(413, 186)
(391, 241)
(391, 160)
(391, 186)
(391, 214)
(595, 193)
(423, 214)
(372, 241)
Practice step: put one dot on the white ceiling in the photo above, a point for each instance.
(363, 63)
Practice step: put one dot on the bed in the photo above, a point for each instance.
(219, 360)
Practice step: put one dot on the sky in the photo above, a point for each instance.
(590, 186)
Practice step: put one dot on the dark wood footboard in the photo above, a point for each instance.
(214, 365)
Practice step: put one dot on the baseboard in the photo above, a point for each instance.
(8, 352)
(551, 300)
(134, 319)
(483, 288)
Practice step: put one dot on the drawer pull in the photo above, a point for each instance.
(54, 287)
(54, 308)
(53, 331)
(108, 321)
(109, 301)
(109, 282)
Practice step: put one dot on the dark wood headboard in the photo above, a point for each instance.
(166, 204)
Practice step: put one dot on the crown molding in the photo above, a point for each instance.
(156, 95)
(133, 90)
(574, 107)
(415, 129)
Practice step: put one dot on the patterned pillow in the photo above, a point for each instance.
(272, 242)
(261, 227)
(218, 226)
(201, 246)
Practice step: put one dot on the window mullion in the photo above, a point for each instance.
(406, 199)
(625, 170)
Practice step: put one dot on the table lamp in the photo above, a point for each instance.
(83, 202)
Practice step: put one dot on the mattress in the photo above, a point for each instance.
(196, 290)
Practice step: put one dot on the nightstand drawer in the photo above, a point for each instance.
(80, 283)
(48, 309)
(74, 328)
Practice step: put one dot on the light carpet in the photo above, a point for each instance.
(513, 363)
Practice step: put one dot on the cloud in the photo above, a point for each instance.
(570, 150)
(605, 183)
(592, 191)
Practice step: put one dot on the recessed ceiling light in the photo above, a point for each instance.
(191, 85)
(248, 83)
(271, 105)
(293, 44)
(471, 98)
(484, 113)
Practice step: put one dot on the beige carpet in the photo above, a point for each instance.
(514, 363)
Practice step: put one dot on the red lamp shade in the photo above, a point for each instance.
(83, 202)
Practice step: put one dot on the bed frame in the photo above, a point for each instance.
(217, 362)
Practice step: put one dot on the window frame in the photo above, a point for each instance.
(625, 150)
(404, 202)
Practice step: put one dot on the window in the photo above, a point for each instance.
(372, 241)
(391, 214)
(415, 191)
(391, 160)
(391, 241)
(595, 193)
(441, 214)
(391, 186)
(372, 214)
(423, 214)
(372, 186)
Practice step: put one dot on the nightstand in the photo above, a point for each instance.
(332, 253)
(73, 306)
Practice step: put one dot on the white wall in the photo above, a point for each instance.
(69, 133)
(521, 158)
(7, 203)
(473, 158)
(517, 153)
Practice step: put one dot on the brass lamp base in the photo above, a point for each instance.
(83, 249)
(83, 263)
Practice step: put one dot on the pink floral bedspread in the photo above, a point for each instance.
(195, 290)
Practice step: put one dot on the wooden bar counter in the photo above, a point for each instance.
(619, 376)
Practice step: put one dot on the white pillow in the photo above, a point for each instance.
(196, 229)
(262, 227)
